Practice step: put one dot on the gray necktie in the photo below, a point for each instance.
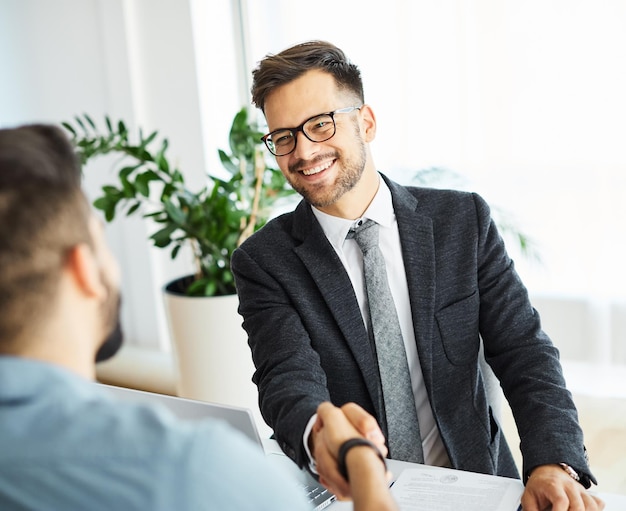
(404, 435)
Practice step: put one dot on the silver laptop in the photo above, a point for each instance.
(240, 419)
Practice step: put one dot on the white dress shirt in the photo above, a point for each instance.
(336, 229)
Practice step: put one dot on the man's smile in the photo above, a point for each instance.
(316, 170)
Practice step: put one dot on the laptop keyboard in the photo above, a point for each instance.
(317, 496)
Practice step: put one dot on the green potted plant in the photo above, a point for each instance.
(212, 357)
(213, 221)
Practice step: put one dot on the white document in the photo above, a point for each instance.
(442, 489)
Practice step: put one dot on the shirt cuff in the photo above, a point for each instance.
(305, 441)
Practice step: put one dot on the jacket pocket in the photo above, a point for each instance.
(458, 328)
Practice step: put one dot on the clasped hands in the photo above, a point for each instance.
(333, 427)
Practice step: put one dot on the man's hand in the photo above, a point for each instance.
(550, 485)
(333, 427)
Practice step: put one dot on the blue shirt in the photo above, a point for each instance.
(67, 445)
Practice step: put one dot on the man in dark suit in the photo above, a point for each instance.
(305, 308)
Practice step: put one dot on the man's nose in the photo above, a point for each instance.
(305, 148)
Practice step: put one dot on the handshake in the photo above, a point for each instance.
(349, 450)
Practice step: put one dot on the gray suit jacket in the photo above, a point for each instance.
(309, 342)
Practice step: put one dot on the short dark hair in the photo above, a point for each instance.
(43, 214)
(284, 67)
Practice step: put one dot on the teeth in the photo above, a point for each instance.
(317, 170)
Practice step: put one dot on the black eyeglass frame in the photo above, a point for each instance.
(294, 131)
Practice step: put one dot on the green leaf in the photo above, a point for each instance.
(238, 131)
(228, 163)
(153, 215)
(162, 237)
(133, 208)
(107, 206)
(91, 123)
(177, 177)
(101, 203)
(175, 213)
(107, 121)
(142, 185)
(126, 171)
(197, 288)
(139, 153)
(69, 128)
(210, 289)
(150, 138)
(129, 190)
(109, 213)
(80, 123)
(160, 158)
(175, 251)
(167, 192)
(242, 137)
(111, 191)
(150, 175)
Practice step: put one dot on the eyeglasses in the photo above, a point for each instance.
(319, 128)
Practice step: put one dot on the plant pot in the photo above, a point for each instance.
(213, 360)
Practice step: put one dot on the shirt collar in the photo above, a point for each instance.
(380, 210)
(25, 378)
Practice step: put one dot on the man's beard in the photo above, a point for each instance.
(111, 321)
(321, 197)
(111, 344)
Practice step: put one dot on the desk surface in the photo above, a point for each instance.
(613, 502)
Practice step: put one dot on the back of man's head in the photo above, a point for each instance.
(43, 214)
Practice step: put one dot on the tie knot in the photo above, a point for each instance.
(366, 235)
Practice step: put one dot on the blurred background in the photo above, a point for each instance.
(522, 102)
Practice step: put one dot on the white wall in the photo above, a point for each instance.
(134, 60)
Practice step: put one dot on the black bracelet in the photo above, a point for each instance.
(349, 444)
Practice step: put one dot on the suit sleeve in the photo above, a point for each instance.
(524, 359)
(289, 376)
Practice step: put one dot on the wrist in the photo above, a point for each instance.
(349, 445)
(570, 471)
(580, 477)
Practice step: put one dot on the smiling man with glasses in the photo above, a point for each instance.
(370, 288)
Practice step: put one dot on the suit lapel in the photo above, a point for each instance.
(418, 252)
(332, 281)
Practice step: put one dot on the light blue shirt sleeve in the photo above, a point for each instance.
(64, 446)
(241, 476)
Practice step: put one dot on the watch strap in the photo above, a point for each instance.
(580, 477)
(349, 444)
(570, 471)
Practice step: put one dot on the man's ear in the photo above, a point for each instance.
(369, 122)
(83, 266)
